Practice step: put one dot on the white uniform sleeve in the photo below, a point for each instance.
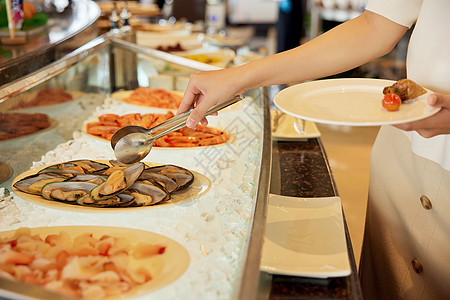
(403, 12)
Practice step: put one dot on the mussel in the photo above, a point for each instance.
(97, 179)
(66, 191)
(181, 176)
(147, 194)
(167, 183)
(119, 200)
(117, 182)
(68, 173)
(83, 166)
(90, 166)
(33, 184)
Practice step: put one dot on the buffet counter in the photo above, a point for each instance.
(208, 227)
(209, 232)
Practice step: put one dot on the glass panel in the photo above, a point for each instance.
(38, 120)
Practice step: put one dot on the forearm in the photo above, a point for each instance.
(347, 46)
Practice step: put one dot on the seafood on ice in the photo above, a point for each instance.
(95, 184)
(161, 98)
(108, 124)
(81, 266)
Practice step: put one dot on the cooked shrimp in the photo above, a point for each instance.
(147, 120)
(108, 117)
(183, 145)
(161, 143)
(206, 129)
(215, 140)
(182, 139)
(154, 97)
(98, 130)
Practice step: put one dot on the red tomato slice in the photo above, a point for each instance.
(391, 102)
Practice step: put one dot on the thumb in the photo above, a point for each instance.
(439, 100)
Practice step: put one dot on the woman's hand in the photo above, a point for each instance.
(205, 89)
(436, 124)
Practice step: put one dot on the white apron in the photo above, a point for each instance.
(406, 250)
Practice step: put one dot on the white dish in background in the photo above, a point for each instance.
(152, 40)
(224, 41)
(352, 102)
(305, 237)
(286, 129)
(163, 28)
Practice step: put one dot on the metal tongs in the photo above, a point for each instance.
(132, 143)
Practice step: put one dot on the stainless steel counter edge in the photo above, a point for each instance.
(27, 82)
(250, 276)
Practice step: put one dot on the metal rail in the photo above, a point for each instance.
(172, 58)
(27, 82)
(250, 277)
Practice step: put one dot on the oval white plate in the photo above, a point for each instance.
(199, 187)
(352, 101)
(165, 268)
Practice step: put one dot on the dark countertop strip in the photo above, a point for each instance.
(301, 169)
(304, 173)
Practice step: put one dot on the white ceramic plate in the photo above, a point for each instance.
(163, 29)
(353, 102)
(287, 128)
(305, 237)
(164, 268)
(224, 41)
(199, 187)
(152, 40)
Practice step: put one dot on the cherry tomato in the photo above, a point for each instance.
(391, 102)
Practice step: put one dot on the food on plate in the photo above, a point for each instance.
(46, 96)
(154, 97)
(406, 89)
(204, 58)
(170, 48)
(96, 184)
(108, 124)
(18, 124)
(391, 102)
(82, 266)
